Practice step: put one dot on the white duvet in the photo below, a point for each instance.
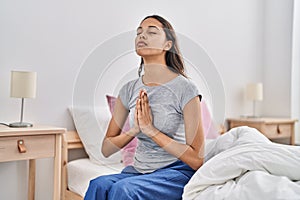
(244, 164)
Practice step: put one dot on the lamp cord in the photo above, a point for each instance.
(3, 124)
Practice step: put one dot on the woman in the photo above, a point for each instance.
(164, 111)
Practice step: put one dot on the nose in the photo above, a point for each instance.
(142, 35)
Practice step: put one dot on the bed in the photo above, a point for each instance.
(240, 164)
(71, 141)
(91, 124)
(77, 173)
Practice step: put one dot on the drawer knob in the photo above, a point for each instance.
(278, 129)
(21, 146)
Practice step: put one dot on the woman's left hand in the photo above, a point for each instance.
(145, 115)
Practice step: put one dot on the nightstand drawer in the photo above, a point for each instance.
(27, 147)
(273, 131)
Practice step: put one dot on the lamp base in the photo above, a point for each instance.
(20, 125)
(252, 116)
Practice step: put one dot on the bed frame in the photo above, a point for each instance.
(71, 141)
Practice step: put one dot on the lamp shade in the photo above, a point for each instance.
(254, 91)
(23, 84)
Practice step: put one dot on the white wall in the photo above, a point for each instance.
(277, 57)
(55, 37)
(295, 81)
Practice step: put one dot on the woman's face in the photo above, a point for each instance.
(151, 39)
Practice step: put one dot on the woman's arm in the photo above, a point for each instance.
(114, 140)
(192, 152)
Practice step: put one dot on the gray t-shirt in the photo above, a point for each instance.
(167, 102)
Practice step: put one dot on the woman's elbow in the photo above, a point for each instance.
(104, 149)
(197, 163)
(105, 153)
(108, 148)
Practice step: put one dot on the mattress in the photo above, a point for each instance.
(81, 171)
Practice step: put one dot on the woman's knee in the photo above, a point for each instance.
(100, 184)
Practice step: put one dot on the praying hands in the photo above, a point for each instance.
(143, 116)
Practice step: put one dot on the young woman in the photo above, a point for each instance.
(164, 111)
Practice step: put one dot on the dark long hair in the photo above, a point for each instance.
(173, 56)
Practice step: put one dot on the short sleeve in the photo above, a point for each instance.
(124, 95)
(190, 91)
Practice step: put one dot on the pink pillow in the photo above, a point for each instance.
(210, 131)
(129, 150)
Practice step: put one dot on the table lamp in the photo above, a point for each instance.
(22, 85)
(254, 92)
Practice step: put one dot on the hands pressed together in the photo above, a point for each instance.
(143, 121)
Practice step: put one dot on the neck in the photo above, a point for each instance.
(154, 67)
(155, 70)
(157, 74)
(155, 60)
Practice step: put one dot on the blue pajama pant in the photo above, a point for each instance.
(165, 183)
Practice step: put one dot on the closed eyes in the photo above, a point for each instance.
(150, 30)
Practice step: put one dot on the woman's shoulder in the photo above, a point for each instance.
(184, 82)
(185, 86)
(128, 86)
(127, 90)
(132, 83)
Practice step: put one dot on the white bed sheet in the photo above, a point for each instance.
(81, 171)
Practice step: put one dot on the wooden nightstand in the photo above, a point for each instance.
(272, 128)
(30, 144)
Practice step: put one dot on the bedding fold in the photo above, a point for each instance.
(243, 164)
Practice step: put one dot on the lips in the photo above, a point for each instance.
(141, 44)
